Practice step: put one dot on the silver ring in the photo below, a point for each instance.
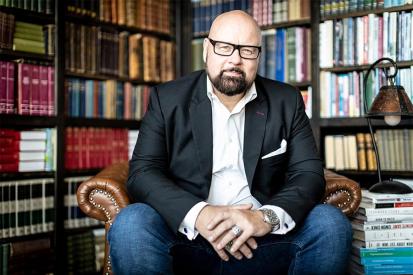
(236, 230)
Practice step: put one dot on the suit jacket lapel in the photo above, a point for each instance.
(201, 121)
(255, 120)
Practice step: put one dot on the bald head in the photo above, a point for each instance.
(236, 27)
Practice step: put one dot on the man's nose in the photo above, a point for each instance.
(235, 57)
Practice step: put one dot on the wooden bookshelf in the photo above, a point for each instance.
(345, 69)
(358, 122)
(28, 15)
(14, 120)
(367, 12)
(100, 122)
(25, 175)
(6, 54)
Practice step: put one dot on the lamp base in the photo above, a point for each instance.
(391, 187)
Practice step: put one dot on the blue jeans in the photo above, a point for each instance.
(141, 243)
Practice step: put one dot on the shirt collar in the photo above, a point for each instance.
(250, 95)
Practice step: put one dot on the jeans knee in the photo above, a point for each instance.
(331, 223)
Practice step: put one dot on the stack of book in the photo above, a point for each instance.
(27, 151)
(28, 37)
(42, 6)
(383, 234)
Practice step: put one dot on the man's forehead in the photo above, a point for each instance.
(235, 34)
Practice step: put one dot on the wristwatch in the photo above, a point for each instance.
(271, 218)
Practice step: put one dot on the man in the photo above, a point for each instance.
(227, 174)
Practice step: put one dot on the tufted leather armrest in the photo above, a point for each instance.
(104, 195)
(342, 192)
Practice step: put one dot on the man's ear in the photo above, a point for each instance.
(205, 51)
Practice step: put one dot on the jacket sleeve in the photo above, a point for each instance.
(148, 180)
(305, 184)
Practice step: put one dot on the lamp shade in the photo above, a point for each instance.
(391, 101)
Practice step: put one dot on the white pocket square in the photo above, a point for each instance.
(279, 151)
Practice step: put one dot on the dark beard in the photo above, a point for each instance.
(230, 85)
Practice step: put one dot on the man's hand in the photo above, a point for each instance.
(207, 214)
(251, 222)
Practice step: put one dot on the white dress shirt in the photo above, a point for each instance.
(229, 185)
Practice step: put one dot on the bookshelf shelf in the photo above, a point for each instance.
(95, 22)
(393, 174)
(358, 122)
(27, 237)
(13, 120)
(108, 77)
(344, 69)
(28, 15)
(83, 229)
(100, 122)
(25, 175)
(367, 12)
(83, 172)
(301, 85)
(6, 54)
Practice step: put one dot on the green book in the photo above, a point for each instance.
(25, 48)
(25, 42)
(29, 36)
(25, 25)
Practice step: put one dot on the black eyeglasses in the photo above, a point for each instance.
(227, 49)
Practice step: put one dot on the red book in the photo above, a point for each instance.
(23, 106)
(75, 144)
(3, 87)
(9, 141)
(43, 91)
(9, 133)
(35, 91)
(10, 158)
(11, 147)
(10, 88)
(9, 167)
(50, 91)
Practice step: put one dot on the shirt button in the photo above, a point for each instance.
(185, 230)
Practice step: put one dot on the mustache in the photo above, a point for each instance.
(234, 69)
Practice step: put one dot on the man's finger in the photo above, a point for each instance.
(252, 243)
(220, 229)
(242, 206)
(218, 219)
(221, 253)
(240, 241)
(246, 251)
(227, 237)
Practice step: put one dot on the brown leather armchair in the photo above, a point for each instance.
(104, 195)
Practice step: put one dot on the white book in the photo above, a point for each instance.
(392, 243)
(368, 196)
(29, 156)
(32, 145)
(329, 152)
(30, 166)
(33, 135)
(384, 235)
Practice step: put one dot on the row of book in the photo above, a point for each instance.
(268, 12)
(383, 234)
(265, 12)
(26, 207)
(26, 37)
(355, 152)
(85, 252)
(74, 216)
(35, 89)
(27, 150)
(362, 40)
(95, 50)
(108, 99)
(42, 6)
(341, 94)
(89, 148)
(286, 54)
(334, 7)
(27, 257)
(349, 152)
(143, 14)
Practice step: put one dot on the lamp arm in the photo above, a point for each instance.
(366, 76)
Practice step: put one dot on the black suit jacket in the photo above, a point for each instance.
(171, 167)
